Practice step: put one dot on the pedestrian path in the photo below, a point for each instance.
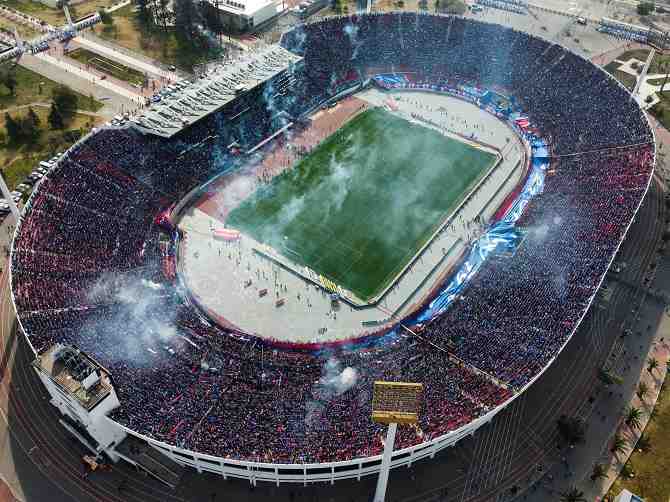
(91, 77)
(121, 57)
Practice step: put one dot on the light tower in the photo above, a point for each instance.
(10, 201)
(393, 403)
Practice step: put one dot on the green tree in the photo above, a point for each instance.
(55, 118)
(457, 7)
(618, 444)
(598, 472)
(13, 129)
(32, 116)
(143, 12)
(645, 8)
(437, 5)
(105, 17)
(609, 378)
(423, 4)
(643, 443)
(573, 495)
(633, 417)
(8, 79)
(65, 100)
(642, 391)
(185, 21)
(30, 126)
(572, 429)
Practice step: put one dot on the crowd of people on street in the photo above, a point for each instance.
(86, 266)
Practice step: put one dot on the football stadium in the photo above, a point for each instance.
(403, 197)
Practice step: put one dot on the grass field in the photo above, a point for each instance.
(108, 66)
(627, 80)
(32, 88)
(364, 201)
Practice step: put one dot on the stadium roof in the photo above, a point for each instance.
(186, 102)
(76, 373)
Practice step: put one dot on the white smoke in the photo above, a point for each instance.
(141, 320)
(335, 382)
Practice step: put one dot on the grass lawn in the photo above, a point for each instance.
(651, 480)
(17, 161)
(658, 64)
(34, 88)
(25, 31)
(661, 110)
(108, 66)
(360, 206)
(626, 79)
(56, 17)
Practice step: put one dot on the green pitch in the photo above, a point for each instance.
(362, 204)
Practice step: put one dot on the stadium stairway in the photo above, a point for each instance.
(150, 460)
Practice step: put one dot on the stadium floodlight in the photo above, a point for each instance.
(8, 197)
(393, 403)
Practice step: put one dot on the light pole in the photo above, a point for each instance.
(8, 198)
(393, 403)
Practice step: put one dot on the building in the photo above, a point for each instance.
(83, 392)
(162, 12)
(626, 496)
(240, 16)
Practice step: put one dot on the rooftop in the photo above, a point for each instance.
(78, 374)
(244, 7)
(186, 102)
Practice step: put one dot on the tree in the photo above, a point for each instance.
(645, 8)
(55, 118)
(30, 126)
(423, 4)
(107, 22)
(451, 7)
(13, 129)
(573, 495)
(105, 17)
(642, 391)
(633, 416)
(598, 472)
(437, 5)
(572, 429)
(627, 470)
(8, 79)
(643, 443)
(652, 364)
(143, 12)
(185, 19)
(65, 100)
(32, 116)
(618, 444)
(609, 378)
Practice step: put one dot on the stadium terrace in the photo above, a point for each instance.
(93, 260)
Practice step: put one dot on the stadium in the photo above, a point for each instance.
(414, 197)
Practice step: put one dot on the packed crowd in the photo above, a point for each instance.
(87, 266)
